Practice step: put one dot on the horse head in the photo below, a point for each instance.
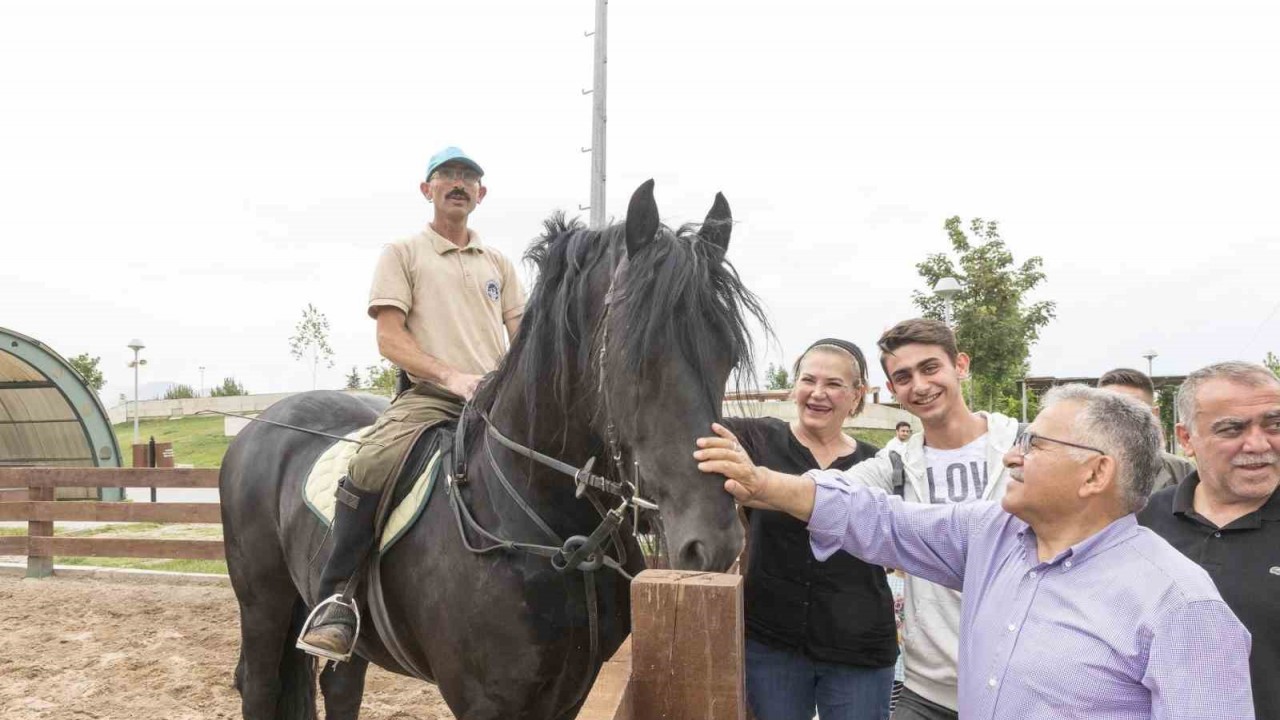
(627, 341)
(673, 333)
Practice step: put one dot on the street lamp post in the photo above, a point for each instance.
(947, 288)
(136, 346)
(1150, 355)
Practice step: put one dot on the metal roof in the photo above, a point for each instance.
(1041, 384)
(47, 414)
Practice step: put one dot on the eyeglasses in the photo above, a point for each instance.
(1025, 440)
(456, 174)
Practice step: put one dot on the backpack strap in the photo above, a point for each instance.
(899, 473)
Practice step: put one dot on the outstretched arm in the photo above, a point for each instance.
(927, 541)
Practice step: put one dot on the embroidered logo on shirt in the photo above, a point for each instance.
(491, 289)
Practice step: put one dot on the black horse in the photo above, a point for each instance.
(626, 344)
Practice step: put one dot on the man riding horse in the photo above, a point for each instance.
(446, 307)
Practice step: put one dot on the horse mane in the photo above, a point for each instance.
(677, 292)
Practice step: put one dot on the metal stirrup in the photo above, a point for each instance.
(310, 649)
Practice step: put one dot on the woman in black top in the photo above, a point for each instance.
(819, 634)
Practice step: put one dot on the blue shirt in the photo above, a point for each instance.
(1119, 626)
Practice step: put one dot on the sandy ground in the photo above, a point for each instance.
(80, 649)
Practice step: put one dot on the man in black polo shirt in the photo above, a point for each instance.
(1226, 515)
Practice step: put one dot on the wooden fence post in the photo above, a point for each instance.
(39, 566)
(687, 646)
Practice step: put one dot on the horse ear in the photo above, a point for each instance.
(719, 223)
(642, 218)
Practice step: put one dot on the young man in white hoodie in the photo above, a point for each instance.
(957, 459)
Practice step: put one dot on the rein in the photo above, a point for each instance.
(308, 431)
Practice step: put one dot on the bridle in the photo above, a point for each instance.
(585, 554)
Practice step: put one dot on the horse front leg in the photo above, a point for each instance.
(342, 684)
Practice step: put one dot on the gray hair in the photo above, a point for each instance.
(1123, 428)
(1245, 373)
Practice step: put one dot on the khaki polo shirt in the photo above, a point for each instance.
(456, 300)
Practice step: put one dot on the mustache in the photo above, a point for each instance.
(459, 193)
(1268, 458)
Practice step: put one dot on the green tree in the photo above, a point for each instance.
(382, 377)
(311, 338)
(994, 322)
(88, 369)
(353, 379)
(179, 392)
(1165, 399)
(1273, 363)
(228, 388)
(776, 378)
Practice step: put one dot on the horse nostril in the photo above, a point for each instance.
(694, 556)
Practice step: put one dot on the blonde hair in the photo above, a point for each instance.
(845, 349)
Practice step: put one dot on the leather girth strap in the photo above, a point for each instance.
(377, 601)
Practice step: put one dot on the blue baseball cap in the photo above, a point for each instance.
(453, 154)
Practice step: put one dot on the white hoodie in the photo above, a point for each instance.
(931, 630)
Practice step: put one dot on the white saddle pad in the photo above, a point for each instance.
(322, 484)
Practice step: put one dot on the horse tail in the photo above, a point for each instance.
(297, 674)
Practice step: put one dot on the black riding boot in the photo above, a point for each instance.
(334, 628)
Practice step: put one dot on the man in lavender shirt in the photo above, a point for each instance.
(1070, 609)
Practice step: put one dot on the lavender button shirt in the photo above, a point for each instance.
(1118, 626)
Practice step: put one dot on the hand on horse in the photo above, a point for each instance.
(722, 454)
(462, 384)
(750, 484)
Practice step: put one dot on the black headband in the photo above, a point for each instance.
(846, 346)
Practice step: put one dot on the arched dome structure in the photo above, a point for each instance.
(48, 416)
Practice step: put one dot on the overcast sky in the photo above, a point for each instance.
(195, 173)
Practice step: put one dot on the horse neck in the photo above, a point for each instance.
(564, 435)
(562, 428)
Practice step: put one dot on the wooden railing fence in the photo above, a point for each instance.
(683, 661)
(29, 497)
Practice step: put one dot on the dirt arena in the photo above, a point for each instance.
(79, 649)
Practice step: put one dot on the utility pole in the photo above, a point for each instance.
(598, 94)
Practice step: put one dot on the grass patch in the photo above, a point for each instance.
(874, 436)
(211, 567)
(109, 530)
(139, 529)
(153, 531)
(197, 440)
